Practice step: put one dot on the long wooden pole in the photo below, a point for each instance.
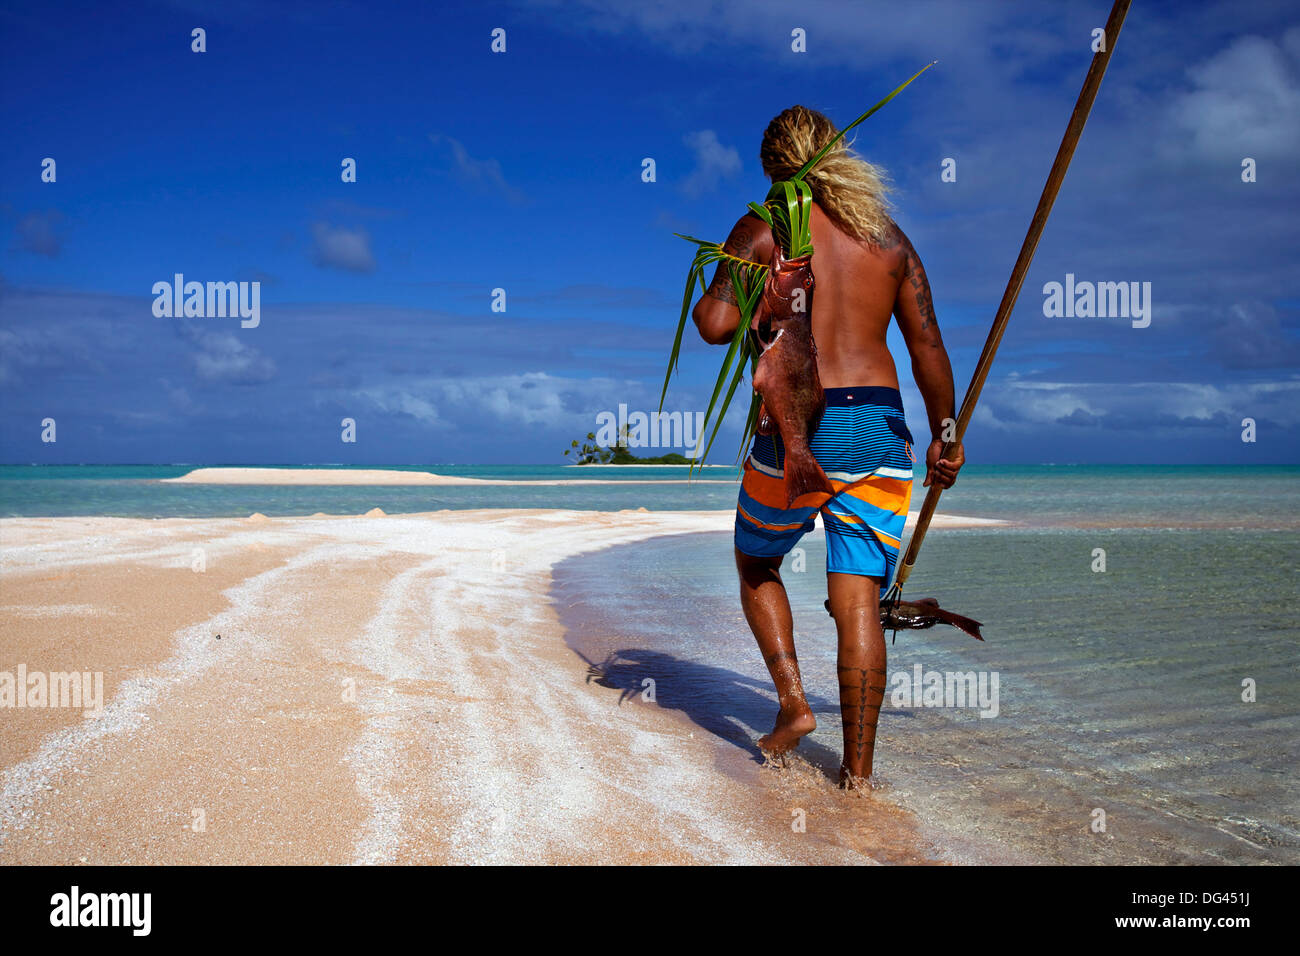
(1054, 179)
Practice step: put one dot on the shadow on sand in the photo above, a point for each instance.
(731, 706)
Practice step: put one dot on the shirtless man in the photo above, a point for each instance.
(866, 270)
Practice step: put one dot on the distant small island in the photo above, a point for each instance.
(590, 453)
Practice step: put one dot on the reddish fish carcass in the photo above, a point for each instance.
(786, 375)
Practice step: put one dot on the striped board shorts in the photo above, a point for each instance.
(864, 446)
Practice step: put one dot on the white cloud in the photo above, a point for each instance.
(224, 358)
(713, 162)
(479, 172)
(340, 248)
(1154, 407)
(526, 398)
(1246, 99)
(404, 401)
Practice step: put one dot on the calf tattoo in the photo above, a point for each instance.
(781, 656)
(855, 683)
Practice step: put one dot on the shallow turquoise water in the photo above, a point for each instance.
(1074, 495)
(1119, 691)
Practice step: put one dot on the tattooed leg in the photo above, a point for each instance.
(855, 604)
(767, 609)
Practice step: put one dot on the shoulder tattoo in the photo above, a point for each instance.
(914, 273)
(739, 243)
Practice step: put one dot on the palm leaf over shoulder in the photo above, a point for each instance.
(786, 211)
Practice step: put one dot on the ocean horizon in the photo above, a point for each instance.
(1263, 497)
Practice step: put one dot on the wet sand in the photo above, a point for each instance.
(385, 689)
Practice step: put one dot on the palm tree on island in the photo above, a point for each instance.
(592, 454)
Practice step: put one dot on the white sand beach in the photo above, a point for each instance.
(367, 689)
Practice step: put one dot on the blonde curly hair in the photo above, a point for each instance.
(850, 190)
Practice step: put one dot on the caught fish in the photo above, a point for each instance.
(786, 375)
(919, 615)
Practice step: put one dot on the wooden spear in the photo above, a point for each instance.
(1054, 179)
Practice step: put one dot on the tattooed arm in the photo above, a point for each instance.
(716, 314)
(914, 309)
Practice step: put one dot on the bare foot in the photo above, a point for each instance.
(791, 726)
(851, 781)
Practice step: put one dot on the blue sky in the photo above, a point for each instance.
(521, 171)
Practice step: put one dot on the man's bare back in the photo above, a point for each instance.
(860, 285)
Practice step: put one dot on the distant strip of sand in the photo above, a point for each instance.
(359, 476)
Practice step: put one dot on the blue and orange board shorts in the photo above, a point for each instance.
(864, 446)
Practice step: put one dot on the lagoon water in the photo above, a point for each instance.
(1101, 496)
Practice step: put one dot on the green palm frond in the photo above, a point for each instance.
(748, 358)
(789, 208)
(787, 212)
(747, 279)
(706, 255)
